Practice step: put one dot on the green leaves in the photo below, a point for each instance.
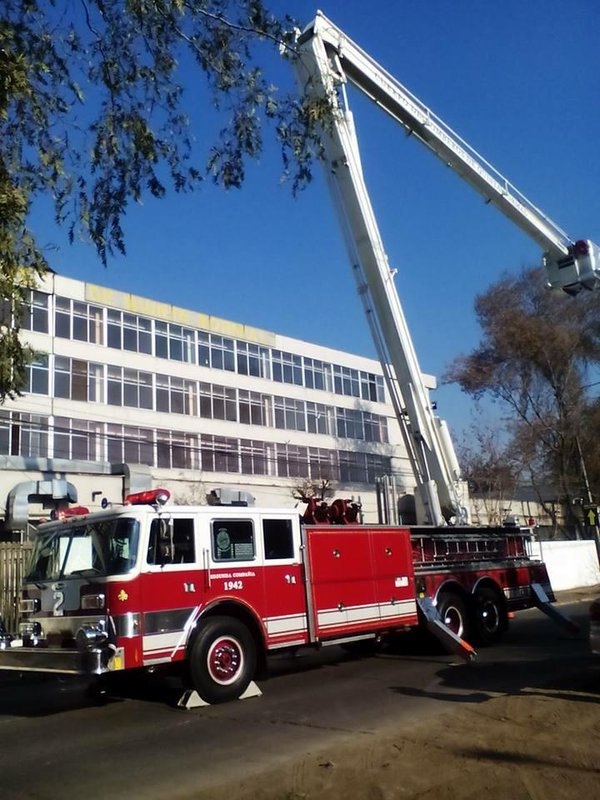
(92, 114)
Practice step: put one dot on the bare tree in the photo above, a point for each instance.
(491, 469)
(309, 489)
(535, 357)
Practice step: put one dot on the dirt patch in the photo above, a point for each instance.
(537, 743)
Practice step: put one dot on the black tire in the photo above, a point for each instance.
(489, 619)
(453, 611)
(222, 660)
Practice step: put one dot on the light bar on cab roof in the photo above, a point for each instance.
(63, 513)
(152, 497)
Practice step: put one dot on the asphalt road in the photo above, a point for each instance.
(55, 742)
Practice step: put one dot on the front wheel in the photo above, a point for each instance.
(222, 660)
(490, 618)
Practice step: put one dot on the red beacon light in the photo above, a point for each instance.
(152, 497)
(64, 513)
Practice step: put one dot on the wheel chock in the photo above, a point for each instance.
(191, 699)
(452, 642)
(543, 603)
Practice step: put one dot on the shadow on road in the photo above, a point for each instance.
(578, 680)
(27, 695)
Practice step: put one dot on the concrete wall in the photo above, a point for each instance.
(570, 564)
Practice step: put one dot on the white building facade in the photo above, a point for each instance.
(128, 393)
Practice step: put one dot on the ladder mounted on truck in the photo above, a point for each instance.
(326, 60)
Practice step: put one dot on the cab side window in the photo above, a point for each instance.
(172, 541)
(278, 538)
(233, 540)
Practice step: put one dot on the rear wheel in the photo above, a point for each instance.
(490, 619)
(222, 660)
(453, 611)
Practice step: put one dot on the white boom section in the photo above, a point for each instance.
(570, 265)
(433, 461)
(325, 60)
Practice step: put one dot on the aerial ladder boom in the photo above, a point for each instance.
(570, 265)
(325, 60)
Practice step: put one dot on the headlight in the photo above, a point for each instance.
(29, 605)
(93, 601)
(30, 630)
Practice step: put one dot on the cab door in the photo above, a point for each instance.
(171, 587)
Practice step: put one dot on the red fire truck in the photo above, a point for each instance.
(216, 588)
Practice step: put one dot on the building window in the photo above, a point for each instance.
(29, 436)
(317, 375)
(318, 418)
(79, 321)
(224, 403)
(137, 334)
(353, 467)
(218, 402)
(376, 429)
(292, 461)
(176, 395)
(346, 381)
(287, 368)
(349, 423)
(71, 378)
(95, 383)
(62, 317)
(129, 444)
(290, 414)
(114, 386)
(322, 464)
(219, 454)
(216, 351)
(78, 439)
(254, 457)
(177, 450)
(254, 408)
(37, 377)
(126, 331)
(174, 342)
(137, 389)
(252, 360)
(35, 317)
(377, 466)
(371, 387)
(5, 427)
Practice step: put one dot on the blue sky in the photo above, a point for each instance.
(518, 80)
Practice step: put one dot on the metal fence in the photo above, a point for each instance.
(14, 558)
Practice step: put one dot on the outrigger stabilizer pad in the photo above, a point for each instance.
(543, 603)
(452, 642)
(191, 699)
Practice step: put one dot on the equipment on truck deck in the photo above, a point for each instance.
(325, 60)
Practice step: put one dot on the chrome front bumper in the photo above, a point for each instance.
(66, 661)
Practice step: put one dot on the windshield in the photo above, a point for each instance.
(102, 547)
